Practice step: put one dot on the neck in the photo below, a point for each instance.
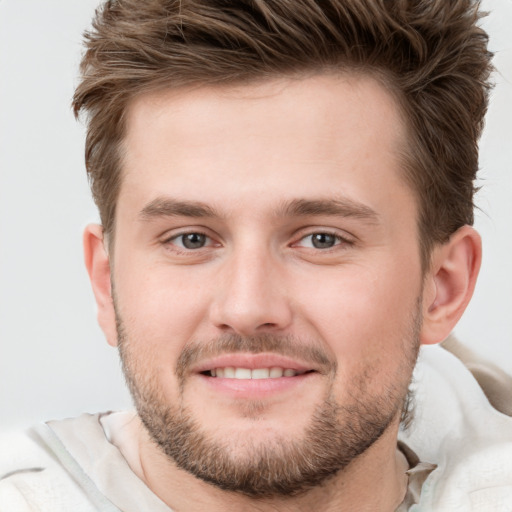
(381, 469)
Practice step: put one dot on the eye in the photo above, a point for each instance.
(320, 240)
(323, 240)
(191, 241)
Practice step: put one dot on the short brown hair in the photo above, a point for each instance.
(431, 54)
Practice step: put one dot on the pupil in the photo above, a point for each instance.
(193, 240)
(323, 240)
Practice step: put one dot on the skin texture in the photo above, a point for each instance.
(263, 173)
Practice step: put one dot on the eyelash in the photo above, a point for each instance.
(170, 241)
(339, 241)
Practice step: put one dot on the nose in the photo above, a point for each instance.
(251, 296)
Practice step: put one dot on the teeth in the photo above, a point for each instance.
(242, 373)
(260, 373)
(229, 372)
(275, 372)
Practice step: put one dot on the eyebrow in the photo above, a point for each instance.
(169, 207)
(341, 207)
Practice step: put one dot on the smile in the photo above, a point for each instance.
(254, 376)
(275, 372)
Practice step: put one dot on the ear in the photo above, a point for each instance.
(450, 283)
(98, 267)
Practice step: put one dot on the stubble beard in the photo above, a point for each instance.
(337, 433)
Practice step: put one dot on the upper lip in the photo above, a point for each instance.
(252, 361)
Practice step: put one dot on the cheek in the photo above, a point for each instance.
(158, 306)
(365, 316)
(159, 316)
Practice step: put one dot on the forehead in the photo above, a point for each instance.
(287, 137)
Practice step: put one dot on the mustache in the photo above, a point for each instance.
(288, 345)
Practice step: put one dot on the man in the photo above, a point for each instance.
(286, 196)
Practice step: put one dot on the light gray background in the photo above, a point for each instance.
(54, 361)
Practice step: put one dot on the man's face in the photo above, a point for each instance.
(267, 277)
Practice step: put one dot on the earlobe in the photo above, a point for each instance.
(98, 267)
(450, 283)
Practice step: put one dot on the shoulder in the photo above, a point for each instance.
(32, 477)
(75, 465)
(41, 490)
(457, 428)
(495, 383)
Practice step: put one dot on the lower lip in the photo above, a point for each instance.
(255, 388)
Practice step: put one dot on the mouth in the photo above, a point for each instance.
(246, 366)
(249, 376)
(254, 375)
(264, 376)
(239, 373)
